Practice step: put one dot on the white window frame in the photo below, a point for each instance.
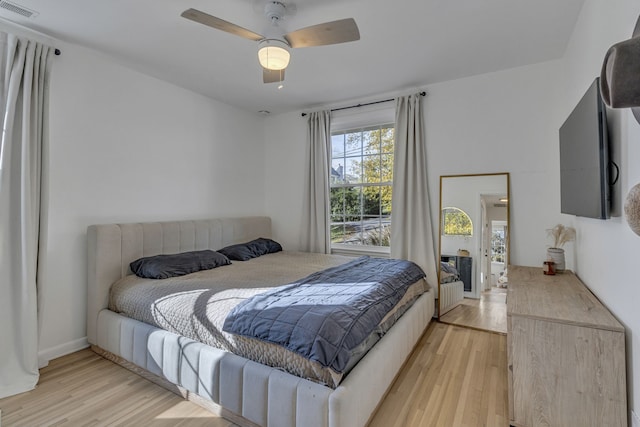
(355, 118)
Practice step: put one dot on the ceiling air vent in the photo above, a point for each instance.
(16, 8)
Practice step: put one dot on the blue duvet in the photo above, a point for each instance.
(325, 315)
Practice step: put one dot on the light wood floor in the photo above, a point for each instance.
(489, 313)
(83, 389)
(455, 377)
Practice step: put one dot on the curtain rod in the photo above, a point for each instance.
(423, 93)
(32, 31)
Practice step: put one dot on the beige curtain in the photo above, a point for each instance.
(315, 219)
(24, 69)
(411, 230)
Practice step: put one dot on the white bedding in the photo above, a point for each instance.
(196, 306)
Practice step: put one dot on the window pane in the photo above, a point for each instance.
(371, 231)
(346, 201)
(337, 145)
(385, 202)
(376, 232)
(353, 170)
(353, 144)
(371, 169)
(386, 169)
(371, 201)
(387, 136)
(337, 172)
(371, 141)
(337, 229)
(498, 245)
(352, 203)
(337, 202)
(456, 222)
(345, 231)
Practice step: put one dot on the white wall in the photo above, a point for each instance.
(607, 251)
(502, 122)
(127, 147)
(498, 122)
(285, 156)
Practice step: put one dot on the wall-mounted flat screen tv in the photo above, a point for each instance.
(584, 158)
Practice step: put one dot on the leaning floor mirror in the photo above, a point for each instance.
(474, 244)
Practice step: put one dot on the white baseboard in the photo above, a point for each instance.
(44, 356)
(635, 419)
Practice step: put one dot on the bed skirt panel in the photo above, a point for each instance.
(451, 295)
(260, 394)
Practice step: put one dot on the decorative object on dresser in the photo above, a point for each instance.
(632, 209)
(560, 235)
(566, 354)
(549, 268)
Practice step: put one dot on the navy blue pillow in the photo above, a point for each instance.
(252, 249)
(165, 266)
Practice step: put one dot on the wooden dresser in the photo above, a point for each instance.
(566, 354)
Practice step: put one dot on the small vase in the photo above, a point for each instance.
(556, 255)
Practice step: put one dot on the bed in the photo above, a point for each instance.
(451, 288)
(242, 390)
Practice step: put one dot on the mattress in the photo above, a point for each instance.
(196, 305)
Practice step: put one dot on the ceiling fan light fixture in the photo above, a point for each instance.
(273, 54)
(273, 49)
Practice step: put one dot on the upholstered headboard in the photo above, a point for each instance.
(112, 247)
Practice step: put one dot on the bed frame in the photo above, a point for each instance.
(451, 295)
(241, 390)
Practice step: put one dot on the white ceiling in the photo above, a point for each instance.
(405, 44)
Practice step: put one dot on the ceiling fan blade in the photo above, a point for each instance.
(272, 76)
(220, 24)
(334, 32)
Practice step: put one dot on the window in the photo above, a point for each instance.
(456, 222)
(360, 178)
(498, 241)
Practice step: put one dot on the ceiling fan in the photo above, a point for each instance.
(273, 49)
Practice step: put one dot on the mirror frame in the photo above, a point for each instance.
(509, 220)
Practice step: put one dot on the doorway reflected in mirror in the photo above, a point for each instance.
(474, 250)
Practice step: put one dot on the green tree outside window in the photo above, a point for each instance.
(456, 222)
